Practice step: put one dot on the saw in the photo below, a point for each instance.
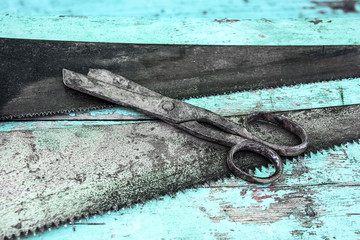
(61, 175)
(31, 70)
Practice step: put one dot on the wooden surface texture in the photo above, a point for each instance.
(318, 196)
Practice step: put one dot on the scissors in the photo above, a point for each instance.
(117, 89)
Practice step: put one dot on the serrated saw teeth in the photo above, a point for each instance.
(130, 204)
(308, 154)
(86, 109)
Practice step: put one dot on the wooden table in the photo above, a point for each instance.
(318, 196)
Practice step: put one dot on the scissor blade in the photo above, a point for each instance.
(120, 81)
(119, 90)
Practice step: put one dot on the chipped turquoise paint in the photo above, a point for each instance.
(307, 96)
(164, 8)
(183, 30)
(200, 214)
(38, 125)
(120, 111)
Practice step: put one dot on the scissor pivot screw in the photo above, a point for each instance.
(168, 106)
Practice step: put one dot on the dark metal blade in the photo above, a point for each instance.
(31, 70)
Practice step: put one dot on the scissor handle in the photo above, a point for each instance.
(258, 148)
(284, 123)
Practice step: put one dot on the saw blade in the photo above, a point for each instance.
(60, 175)
(31, 70)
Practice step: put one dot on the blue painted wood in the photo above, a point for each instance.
(184, 30)
(185, 8)
(319, 197)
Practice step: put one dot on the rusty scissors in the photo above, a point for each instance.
(117, 89)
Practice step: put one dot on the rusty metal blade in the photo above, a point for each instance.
(56, 175)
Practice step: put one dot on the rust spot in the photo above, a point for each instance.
(18, 226)
(219, 21)
(259, 195)
(225, 20)
(316, 21)
(232, 20)
(266, 20)
(262, 36)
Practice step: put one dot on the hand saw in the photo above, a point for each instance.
(61, 175)
(30, 70)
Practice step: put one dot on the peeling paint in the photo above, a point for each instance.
(225, 20)
(315, 22)
(347, 6)
(173, 30)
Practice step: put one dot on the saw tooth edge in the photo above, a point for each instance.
(171, 193)
(82, 109)
(337, 79)
(49, 113)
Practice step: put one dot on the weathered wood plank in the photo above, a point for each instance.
(184, 31)
(318, 198)
(185, 8)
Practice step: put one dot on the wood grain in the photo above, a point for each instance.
(160, 9)
(182, 30)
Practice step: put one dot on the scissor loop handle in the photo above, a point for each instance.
(258, 148)
(284, 123)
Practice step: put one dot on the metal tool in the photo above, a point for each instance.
(31, 70)
(117, 89)
(89, 176)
